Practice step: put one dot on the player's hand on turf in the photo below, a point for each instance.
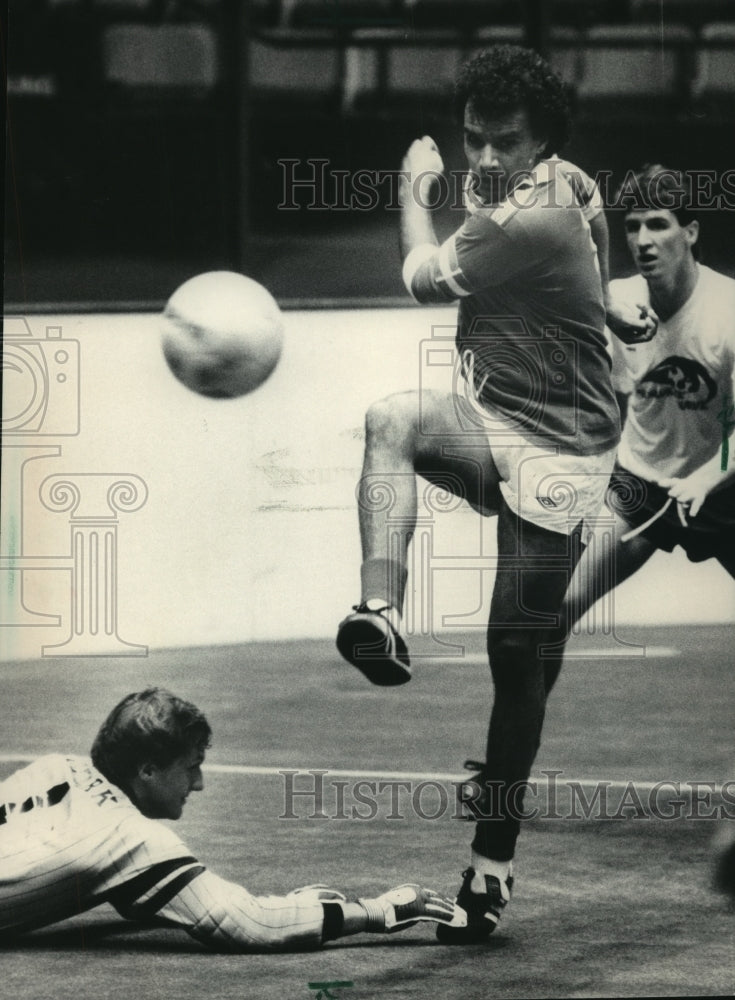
(631, 324)
(409, 904)
(422, 166)
(317, 893)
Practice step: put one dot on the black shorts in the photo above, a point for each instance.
(711, 534)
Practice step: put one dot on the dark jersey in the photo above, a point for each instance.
(531, 315)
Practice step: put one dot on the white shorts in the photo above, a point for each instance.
(552, 490)
(555, 491)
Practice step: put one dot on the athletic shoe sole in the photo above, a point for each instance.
(363, 644)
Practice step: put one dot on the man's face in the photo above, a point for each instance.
(162, 791)
(498, 148)
(660, 245)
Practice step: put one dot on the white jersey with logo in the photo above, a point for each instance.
(70, 840)
(679, 384)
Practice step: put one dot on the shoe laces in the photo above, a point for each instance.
(363, 609)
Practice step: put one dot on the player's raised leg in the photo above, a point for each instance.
(406, 434)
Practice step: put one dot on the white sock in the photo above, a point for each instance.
(390, 613)
(487, 866)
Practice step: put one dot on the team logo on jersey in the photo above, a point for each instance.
(685, 380)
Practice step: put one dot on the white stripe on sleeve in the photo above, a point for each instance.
(415, 258)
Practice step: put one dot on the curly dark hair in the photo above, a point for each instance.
(148, 727)
(506, 78)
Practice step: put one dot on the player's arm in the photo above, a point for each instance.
(421, 167)
(691, 491)
(632, 324)
(487, 249)
(588, 198)
(225, 916)
(622, 399)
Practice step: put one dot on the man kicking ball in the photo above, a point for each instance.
(75, 833)
(530, 434)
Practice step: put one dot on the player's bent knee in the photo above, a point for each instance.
(392, 421)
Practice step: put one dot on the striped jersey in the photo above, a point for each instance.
(531, 315)
(70, 840)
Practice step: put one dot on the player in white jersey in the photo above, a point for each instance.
(75, 833)
(674, 480)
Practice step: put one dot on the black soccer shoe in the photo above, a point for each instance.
(483, 910)
(369, 642)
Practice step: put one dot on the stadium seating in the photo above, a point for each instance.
(385, 73)
(296, 69)
(393, 54)
(565, 47)
(630, 64)
(693, 13)
(160, 58)
(714, 81)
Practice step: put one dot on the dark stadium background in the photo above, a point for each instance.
(122, 181)
(143, 140)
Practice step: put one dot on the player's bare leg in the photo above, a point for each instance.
(600, 569)
(407, 434)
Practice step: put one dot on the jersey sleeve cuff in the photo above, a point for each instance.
(418, 256)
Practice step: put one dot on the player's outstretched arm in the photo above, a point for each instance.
(226, 917)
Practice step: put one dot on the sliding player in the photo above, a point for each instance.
(75, 833)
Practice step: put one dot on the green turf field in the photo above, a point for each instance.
(615, 902)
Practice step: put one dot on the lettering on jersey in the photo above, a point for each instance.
(683, 379)
(106, 796)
